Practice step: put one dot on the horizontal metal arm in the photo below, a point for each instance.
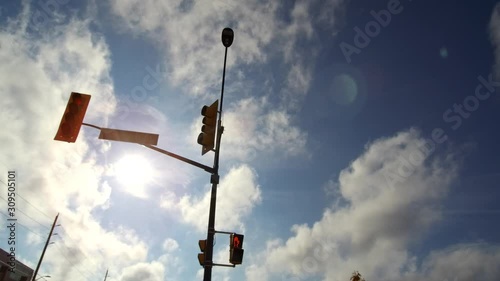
(178, 157)
(183, 159)
(220, 264)
(223, 232)
(227, 265)
(90, 125)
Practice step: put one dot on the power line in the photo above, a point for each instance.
(74, 240)
(25, 200)
(74, 266)
(86, 257)
(33, 206)
(58, 245)
(21, 211)
(61, 238)
(39, 235)
(17, 209)
(24, 226)
(17, 194)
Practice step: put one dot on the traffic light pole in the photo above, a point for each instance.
(149, 140)
(207, 276)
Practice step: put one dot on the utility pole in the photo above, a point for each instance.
(105, 277)
(45, 248)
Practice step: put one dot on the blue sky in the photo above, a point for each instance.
(359, 135)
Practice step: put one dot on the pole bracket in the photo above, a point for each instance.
(223, 232)
(226, 265)
(214, 179)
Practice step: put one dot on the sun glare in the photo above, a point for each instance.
(133, 171)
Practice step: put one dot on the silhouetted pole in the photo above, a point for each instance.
(45, 248)
(106, 275)
(227, 40)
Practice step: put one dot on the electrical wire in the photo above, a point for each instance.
(74, 243)
(74, 266)
(39, 235)
(34, 207)
(24, 226)
(21, 211)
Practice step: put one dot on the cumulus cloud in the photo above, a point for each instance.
(476, 261)
(37, 78)
(144, 272)
(38, 72)
(187, 30)
(237, 194)
(379, 218)
(192, 30)
(170, 245)
(188, 36)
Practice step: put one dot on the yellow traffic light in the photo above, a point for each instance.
(207, 136)
(203, 247)
(73, 117)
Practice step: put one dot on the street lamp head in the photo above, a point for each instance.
(227, 37)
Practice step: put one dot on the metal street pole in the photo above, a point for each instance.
(69, 134)
(227, 40)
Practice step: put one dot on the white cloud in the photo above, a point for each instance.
(34, 239)
(252, 126)
(171, 261)
(170, 245)
(301, 58)
(144, 272)
(237, 194)
(379, 219)
(191, 34)
(37, 76)
(188, 35)
(460, 262)
(193, 30)
(254, 270)
(38, 72)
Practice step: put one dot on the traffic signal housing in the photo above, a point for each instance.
(236, 248)
(203, 248)
(207, 136)
(73, 117)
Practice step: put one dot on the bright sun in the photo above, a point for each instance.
(133, 171)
